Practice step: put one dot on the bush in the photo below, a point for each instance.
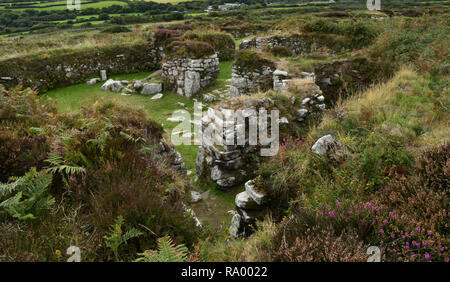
(420, 42)
(308, 237)
(434, 168)
(360, 32)
(116, 29)
(189, 49)
(223, 43)
(249, 61)
(164, 36)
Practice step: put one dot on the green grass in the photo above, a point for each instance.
(168, 1)
(91, 22)
(72, 98)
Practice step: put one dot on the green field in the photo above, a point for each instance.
(47, 6)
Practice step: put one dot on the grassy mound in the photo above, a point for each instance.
(249, 61)
(189, 49)
(222, 42)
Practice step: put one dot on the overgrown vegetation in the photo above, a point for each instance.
(94, 167)
(87, 169)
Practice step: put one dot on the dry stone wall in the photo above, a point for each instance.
(297, 43)
(67, 67)
(245, 81)
(188, 76)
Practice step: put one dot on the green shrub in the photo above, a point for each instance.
(360, 32)
(249, 61)
(189, 49)
(281, 51)
(116, 29)
(104, 163)
(223, 43)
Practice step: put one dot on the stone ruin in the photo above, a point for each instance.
(188, 76)
(250, 205)
(247, 78)
(230, 165)
(174, 157)
(297, 43)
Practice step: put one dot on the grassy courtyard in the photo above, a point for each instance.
(71, 99)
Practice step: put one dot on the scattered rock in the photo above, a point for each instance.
(244, 201)
(209, 97)
(195, 196)
(324, 144)
(112, 85)
(258, 197)
(93, 81)
(151, 88)
(157, 96)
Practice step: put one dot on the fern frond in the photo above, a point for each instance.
(166, 252)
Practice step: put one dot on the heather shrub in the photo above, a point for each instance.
(164, 36)
(223, 43)
(189, 49)
(25, 131)
(102, 164)
(123, 176)
(307, 237)
(434, 168)
(116, 29)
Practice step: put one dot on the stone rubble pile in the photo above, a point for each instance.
(280, 80)
(230, 165)
(134, 87)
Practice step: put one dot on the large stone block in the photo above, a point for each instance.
(151, 88)
(191, 83)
